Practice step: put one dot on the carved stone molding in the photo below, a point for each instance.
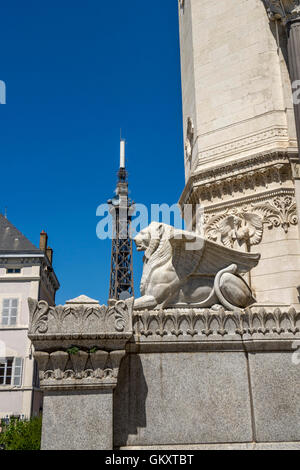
(77, 368)
(79, 345)
(283, 10)
(240, 227)
(244, 143)
(79, 319)
(281, 212)
(241, 178)
(295, 165)
(197, 324)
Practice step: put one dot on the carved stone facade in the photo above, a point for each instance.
(244, 169)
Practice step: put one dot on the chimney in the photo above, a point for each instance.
(49, 253)
(43, 241)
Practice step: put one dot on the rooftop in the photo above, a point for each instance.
(12, 240)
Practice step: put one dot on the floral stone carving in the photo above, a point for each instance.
(243, 227)
(201, 324)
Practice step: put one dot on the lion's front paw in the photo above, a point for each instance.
(145, 302)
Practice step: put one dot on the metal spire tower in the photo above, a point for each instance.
(121, 274)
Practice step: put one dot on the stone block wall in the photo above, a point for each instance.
(200, 380)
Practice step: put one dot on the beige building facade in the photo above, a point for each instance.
(25, 271)
(241, 154)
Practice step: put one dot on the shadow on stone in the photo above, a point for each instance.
(129, 400)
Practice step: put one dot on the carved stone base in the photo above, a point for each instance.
(78, 349)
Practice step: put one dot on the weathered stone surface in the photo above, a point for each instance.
(249, 446)
(78, 420)
(276, 396)
(182, 399)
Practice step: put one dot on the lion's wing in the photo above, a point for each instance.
(207, 257)
(186, 253)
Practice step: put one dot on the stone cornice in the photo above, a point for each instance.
(239, 171)
(256, 328)
(246, 143)
(251, 199)
(47, 273)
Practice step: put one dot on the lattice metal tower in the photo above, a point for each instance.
(121, 274)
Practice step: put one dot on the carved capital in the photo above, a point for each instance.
(76, 368)
(79, 345)
(79, 318)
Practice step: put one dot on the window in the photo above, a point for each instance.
(9, 311)
(13, 270)
(11, 371)
(6, 368)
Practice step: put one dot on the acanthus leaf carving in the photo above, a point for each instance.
(38, 316)
(243, 227)
(281, 212)
(211, 323)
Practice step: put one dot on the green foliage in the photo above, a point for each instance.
(73, 350)
(21, 435)
(93, 350)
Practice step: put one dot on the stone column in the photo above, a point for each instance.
(288, 13)
(79, 348)
(293, 33)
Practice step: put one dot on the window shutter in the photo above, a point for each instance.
(10, 311)
(18, 369)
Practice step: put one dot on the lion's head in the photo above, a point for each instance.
(148, 240)
(154, 240)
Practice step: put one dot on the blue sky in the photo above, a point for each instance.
(75, 73)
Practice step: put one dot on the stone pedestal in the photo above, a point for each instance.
(78, 420)
(190, 378)
(79, 348)
(199, 379)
